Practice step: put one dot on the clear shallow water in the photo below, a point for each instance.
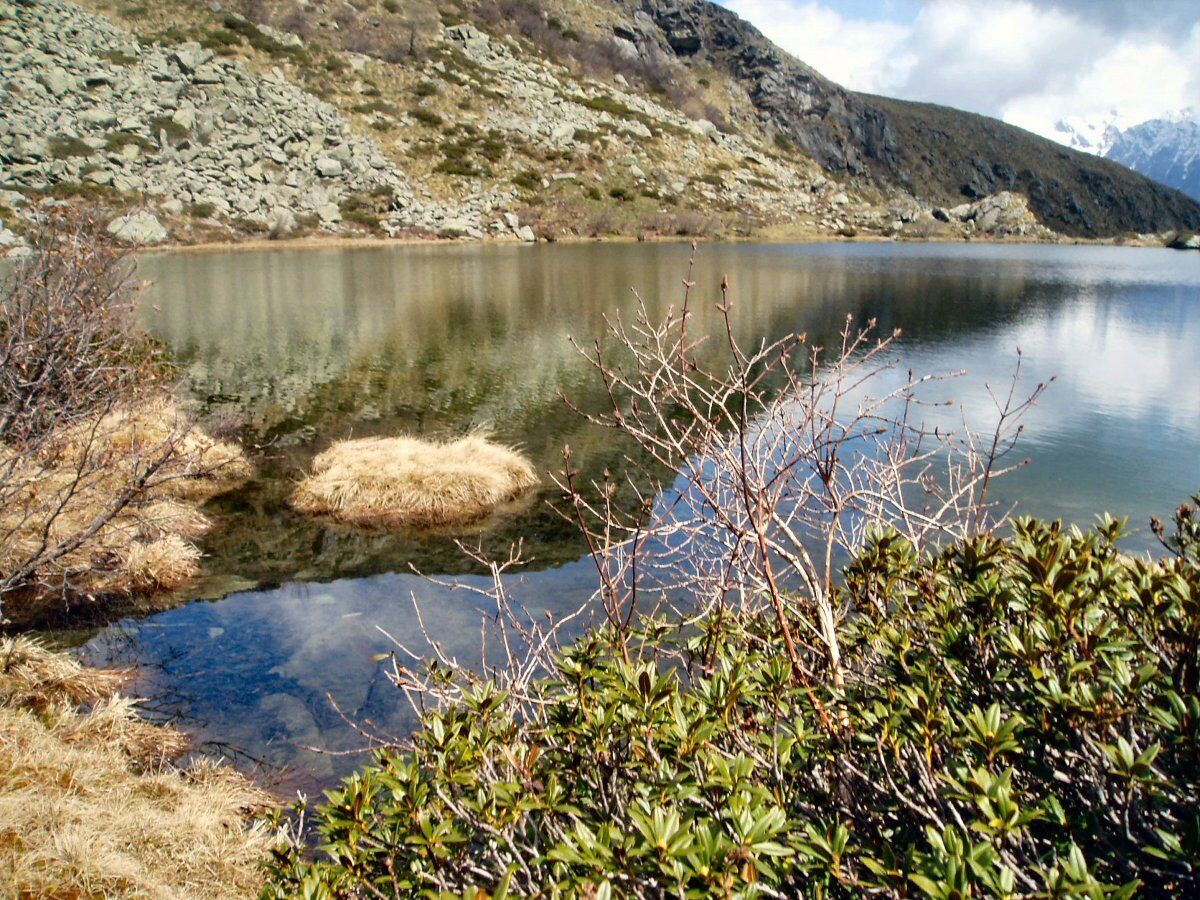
(311, 346)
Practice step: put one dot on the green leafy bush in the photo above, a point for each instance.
(1020, 718)
(63, 147)
(527, 180)
(426, 117)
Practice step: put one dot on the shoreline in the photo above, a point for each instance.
(343, 242)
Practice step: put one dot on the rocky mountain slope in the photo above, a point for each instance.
(937, 153)
(503, 118)
(89, 108)
(1166, 149)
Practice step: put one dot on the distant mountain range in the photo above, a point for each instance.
(1166, 149)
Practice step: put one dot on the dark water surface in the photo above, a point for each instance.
(310, 346)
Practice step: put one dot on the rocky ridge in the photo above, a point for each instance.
(91, 111)
(548, 108)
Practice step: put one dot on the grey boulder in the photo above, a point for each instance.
(138, 228)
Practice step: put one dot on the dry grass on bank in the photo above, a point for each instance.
(403, 481)
(91, 807)
(57, 493)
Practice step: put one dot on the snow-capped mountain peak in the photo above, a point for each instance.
(1166, 149)
(1094, 134)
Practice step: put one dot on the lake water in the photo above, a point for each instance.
(305, 347)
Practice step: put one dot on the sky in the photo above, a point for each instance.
(1029, 62)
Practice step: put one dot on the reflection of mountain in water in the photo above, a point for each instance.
(307, 347)
(483, 332)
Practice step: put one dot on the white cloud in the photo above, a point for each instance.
(1031, 62)
(861, 54)
(980, 57)
(1138, 78)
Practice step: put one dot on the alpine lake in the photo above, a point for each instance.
(284, 642)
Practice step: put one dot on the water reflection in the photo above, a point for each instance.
(312, 346)
(257, 671)
(307, 347)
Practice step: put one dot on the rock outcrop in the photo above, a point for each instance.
(138, 228)
(828, 123)
(1001, 215)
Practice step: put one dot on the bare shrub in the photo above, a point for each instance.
(602, 222)
(298, 23)
(786, 454)
(783, 456)
(924, 226)
(99, 470)
(1016, 714)
(646, 746)
(67, 337)
(345, 17)
(684, 223)
(257, 11)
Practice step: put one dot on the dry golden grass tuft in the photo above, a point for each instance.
(76, 474)
(404, 481)
(89, 804)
